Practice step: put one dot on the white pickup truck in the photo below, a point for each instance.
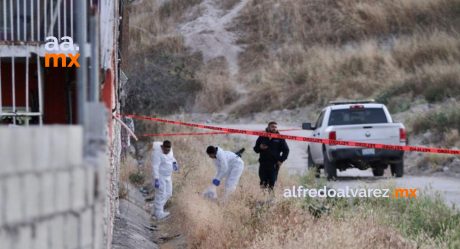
(359, 121)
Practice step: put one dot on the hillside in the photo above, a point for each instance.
(309, 52)
(244, 62)
(242, 58)
(296, 53)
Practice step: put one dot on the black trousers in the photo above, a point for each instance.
(268, 174)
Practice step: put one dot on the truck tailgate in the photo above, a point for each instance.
(387, 133)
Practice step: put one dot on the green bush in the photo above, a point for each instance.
(162, 82)
(434, 87)
(446, 86)
(137, 178)
(426, 216)
(439, 121)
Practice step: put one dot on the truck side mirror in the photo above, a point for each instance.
(307, 126)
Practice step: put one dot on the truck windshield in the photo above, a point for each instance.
(357, 116)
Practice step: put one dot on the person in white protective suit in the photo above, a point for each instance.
(229, 166)
(163, 163)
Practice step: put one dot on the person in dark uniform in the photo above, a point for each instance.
(272, 153)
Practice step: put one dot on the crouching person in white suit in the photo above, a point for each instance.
(163, 163)
(229, 166)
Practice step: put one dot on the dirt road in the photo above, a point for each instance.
(297, 164)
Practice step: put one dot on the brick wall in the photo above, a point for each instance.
(49, 197)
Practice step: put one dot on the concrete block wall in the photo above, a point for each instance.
(49, 197)
(112, 186)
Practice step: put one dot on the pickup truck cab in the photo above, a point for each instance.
(359, 121)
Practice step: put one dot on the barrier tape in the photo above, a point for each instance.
(197, 133)
(303, 139)
(184, 134)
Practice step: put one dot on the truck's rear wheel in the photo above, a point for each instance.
(378, 171)
(312, 165)
(397, 169)
(329, 167)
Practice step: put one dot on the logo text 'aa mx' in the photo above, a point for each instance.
(67, 48)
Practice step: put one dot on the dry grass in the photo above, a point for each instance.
(288, 226)
(228, 4)
(443, 125)
(176, 8)
(433, 163)
(153, 28)
(453, 137)
(242, 224)
(441, 121)
(432, 83)
(305, 232)
(151, 22)
(164, 75)
(310, 52)
(298, 53)
(246, 221)
(331, 21)
(295, 77)
(127, 168)
(421, 49)
(316, 51)
(218, 90)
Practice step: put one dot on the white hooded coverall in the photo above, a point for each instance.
(229, 166)
(162, 170)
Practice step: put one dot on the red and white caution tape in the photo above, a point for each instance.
(223, 130)
(184, 134)
(197, 133)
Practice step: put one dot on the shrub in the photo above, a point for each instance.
(254, 219)
(162, 83)
(438, 121)
(433, 83)
(316, 51)
(137, 178)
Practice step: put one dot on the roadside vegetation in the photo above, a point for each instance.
(442, 124)
(315, 51)
(162, 73)
(299, 53)
(442, 120)
(254, 219)
(439, 127)
(162, 79)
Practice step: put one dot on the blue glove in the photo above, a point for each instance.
(157, 183)
(216, 182)
(175, 166)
